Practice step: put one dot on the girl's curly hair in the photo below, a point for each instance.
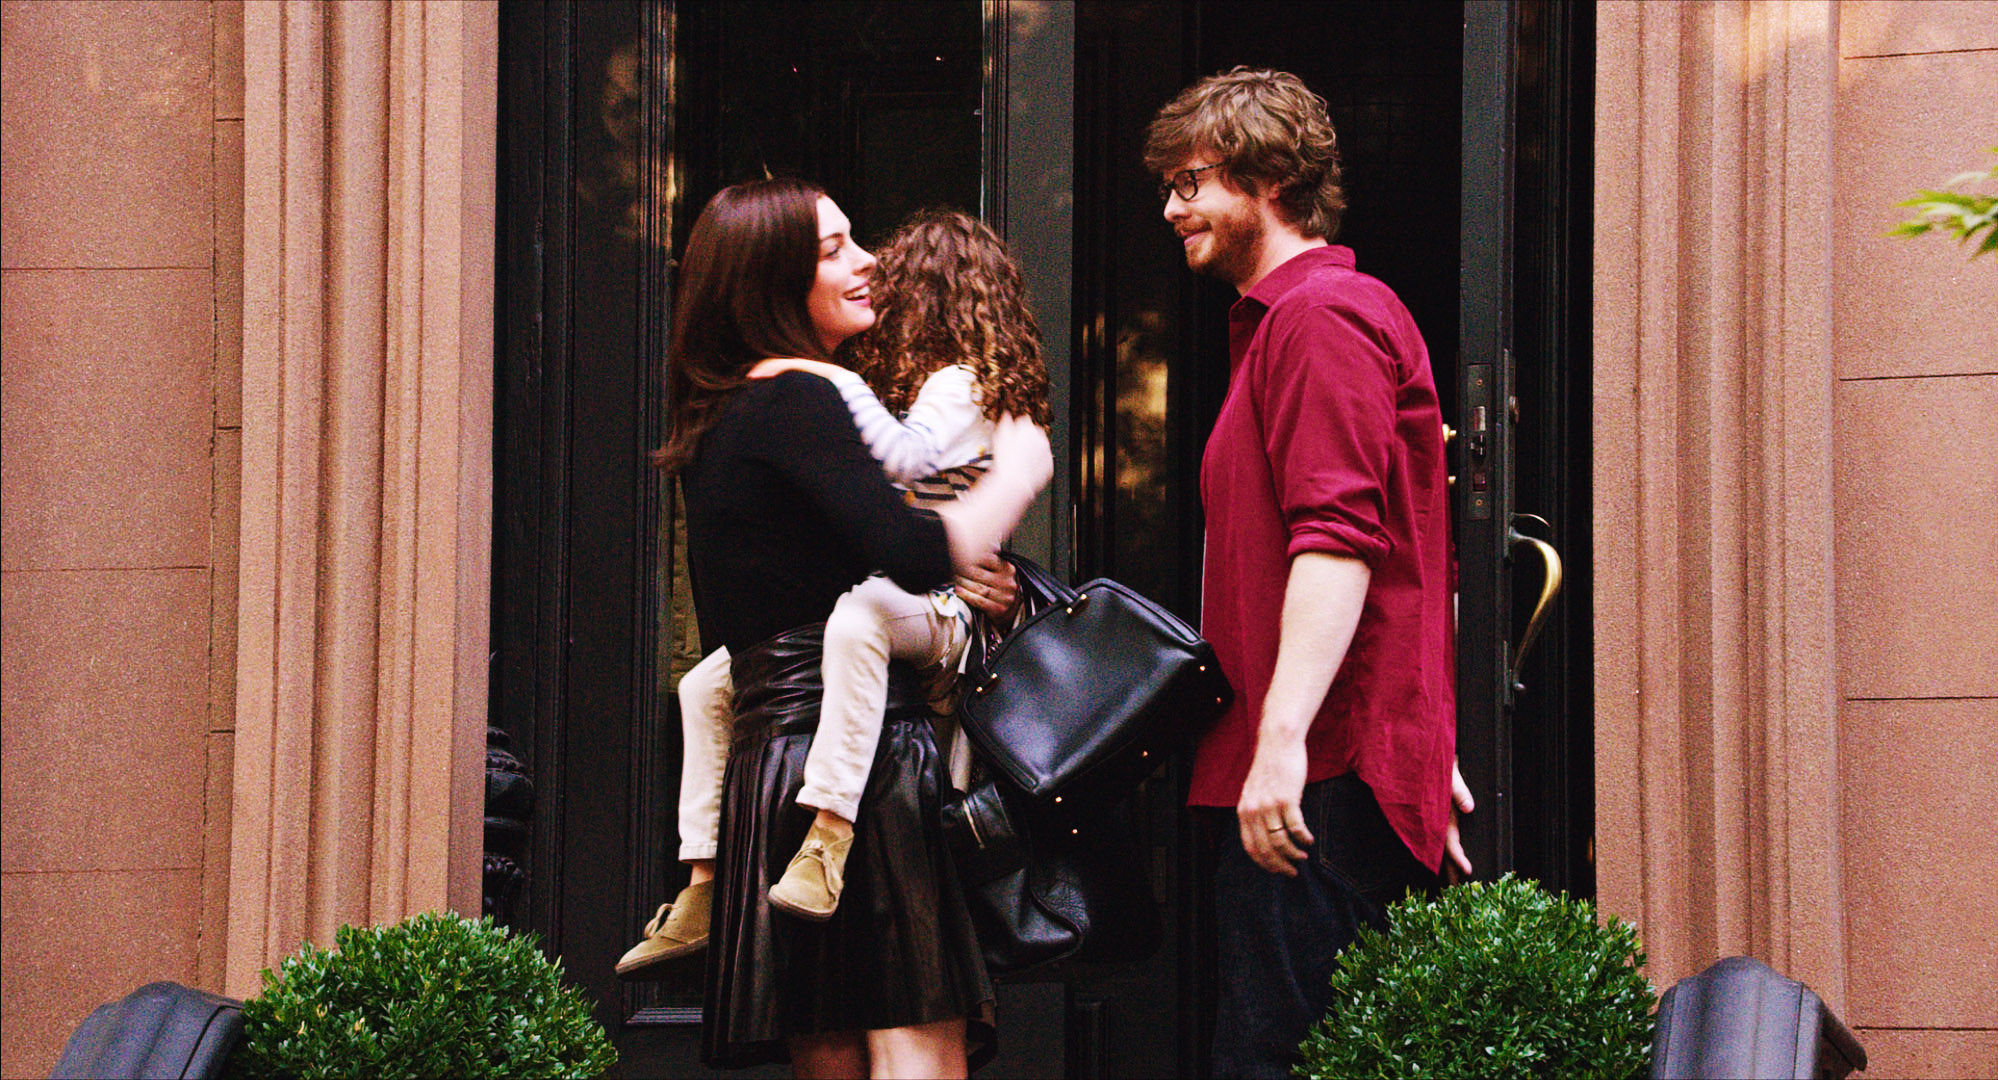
(948, 292)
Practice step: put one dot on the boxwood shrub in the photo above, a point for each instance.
(434, 995)
(1487, 980)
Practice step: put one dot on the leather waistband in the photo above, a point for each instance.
(779, 686)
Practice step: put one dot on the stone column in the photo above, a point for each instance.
(1716, 741)
(369, 141)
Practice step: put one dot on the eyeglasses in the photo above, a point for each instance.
(1185, 181)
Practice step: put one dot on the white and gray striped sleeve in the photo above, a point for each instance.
(912, 449)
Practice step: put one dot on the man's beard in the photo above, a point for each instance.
(1234, 247)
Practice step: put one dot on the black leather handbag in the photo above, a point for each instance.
(1090, 693)
(1043, 892)
(1093, 690)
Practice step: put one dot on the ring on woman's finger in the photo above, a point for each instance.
(1279, 828)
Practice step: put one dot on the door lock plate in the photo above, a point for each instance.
(1478, 442)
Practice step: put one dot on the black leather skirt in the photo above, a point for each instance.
(901, 949)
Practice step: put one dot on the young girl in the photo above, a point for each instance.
(957, 347)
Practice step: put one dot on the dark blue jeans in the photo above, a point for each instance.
(1279, 938)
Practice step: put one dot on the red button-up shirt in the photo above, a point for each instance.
(1331, 440)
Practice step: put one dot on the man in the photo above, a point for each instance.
(1328, 575)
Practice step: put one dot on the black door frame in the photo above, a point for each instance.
(1525, 732)
(581, 561)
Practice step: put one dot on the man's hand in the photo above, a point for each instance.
(1270, 814)
(1458, 866)
(1322, 599)
(991, 587)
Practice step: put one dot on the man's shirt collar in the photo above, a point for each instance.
(1247, 311)
(1286, 277)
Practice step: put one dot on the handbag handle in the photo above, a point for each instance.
(1039, 583)
(1039, 591)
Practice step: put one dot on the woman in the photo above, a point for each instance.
(786, 511)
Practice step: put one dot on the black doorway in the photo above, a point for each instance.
(619, 120)
(1151, 366)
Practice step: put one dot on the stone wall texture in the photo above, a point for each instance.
(1915, 406)
(1797, 698)
(316, 521)
(120, 291)
(366, 388)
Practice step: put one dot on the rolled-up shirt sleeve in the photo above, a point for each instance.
(1328, 405)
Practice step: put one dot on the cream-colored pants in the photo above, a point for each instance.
(873, 623)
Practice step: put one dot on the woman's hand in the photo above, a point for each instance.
(983, 517)
(770, 369)
(991, 587)
(1021, 453)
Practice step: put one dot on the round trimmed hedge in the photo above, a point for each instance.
(433, 995)
(1488, 981)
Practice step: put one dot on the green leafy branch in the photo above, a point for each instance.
(1962, 214)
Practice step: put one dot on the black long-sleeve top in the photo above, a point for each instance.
(786, 510)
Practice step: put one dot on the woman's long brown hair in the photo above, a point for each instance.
(749, 265)
(948, 292)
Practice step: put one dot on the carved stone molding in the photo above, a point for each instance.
(1716, 738)
(367, 433)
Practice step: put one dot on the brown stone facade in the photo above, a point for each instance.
(246, 272)
(245, 430)
(1797, 701)
(367, 469)
(120, 284)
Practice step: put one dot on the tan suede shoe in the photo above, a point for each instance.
(678, 929)
(811, 885)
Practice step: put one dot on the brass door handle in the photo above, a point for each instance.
(1549, 588)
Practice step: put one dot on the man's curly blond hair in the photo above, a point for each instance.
(1268, 132)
